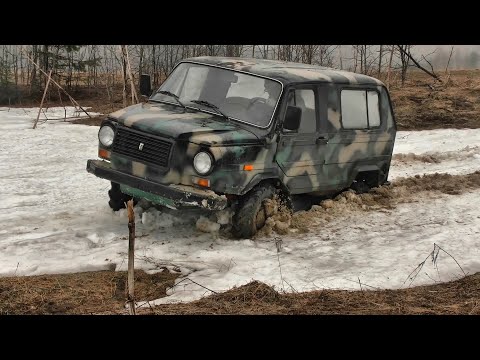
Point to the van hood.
(194, 126)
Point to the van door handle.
(322, 140)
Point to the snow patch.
(55, 218)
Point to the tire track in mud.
(466, 153)
(400, 191)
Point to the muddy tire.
(360, 187)
(250, 215)
(117, 198)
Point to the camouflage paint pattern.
(296, 161)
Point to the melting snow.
(54, 218)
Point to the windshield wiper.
(168, 93)
(211, 106)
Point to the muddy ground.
(402, 190)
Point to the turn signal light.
(203, 182)
(248, 167)
(104, 154)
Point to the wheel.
(360, 187)
(117, 198)
(250, 215)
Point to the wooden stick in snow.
(43, 98)
(131, 252)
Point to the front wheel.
(117, 198)
(251, 213)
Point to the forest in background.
(109, 68)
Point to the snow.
(54, 218)
(457, 150)
(206, 225)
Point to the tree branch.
(432, 74)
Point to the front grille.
(128, 142)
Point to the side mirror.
(145, 85)
(292, 118)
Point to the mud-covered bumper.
(173, 196)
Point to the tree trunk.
(380, 61)
(154, 68)
(45, 61)
(390, 67)
(33, 77)
(124, 75)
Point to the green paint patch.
(156, 199)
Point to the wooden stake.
(43, 98)
(131, 251)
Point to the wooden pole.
(43, 98)
(131, 251)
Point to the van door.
(359, 141)
(300, 154)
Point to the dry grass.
(457, 297)
(424, 104)
(103, 292)
(80, 293)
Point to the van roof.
(287, 72)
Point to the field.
(62, 251)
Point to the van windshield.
(239, 96)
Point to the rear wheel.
(251, 214)
(365, 181)
(360, 187)
(117, 198)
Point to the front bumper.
(172, 196)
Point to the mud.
(436, 157)
(402, 190)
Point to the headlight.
(106, 135)
(202, 162)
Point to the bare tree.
(380, 52)
(405, 60)
(406, 56)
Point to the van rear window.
(360, 109)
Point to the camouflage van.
(232, 132)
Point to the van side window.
(305, 100)
(373, 109)
(360, 109)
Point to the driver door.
(300, 153)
